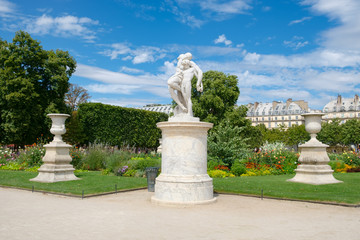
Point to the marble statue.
(180, 84)
(184, 179)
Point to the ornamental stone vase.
(314, 168)
(184, 179)
(56, 167)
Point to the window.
(269, 125)
(289, 124)
(297, 123)
(275, 118)
(263, 118)
(282, 118)
(297, 117)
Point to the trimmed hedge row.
(120, 126)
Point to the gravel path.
(131, 215)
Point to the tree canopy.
(330, 133)
(219, 96)
(33, 82)
(76, 96)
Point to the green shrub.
(94, 160)
(226, 144)
(116, 160)
(238, 169)
(130, 173)
(77, 156)
(219, 174)
(32, 155)
(337, 164)
(213, 162)
(119, 126)
(143, 163)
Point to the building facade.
(342, 109)
(275, 114)
(158, 108)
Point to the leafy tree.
(75, 134)
(219, 96)
(296, 134)
(330, 133)
(33, 82)
(351, 132)
(225, 144)
(273, 135)
(75, 96)
(237, 118)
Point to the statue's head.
(181, 56)
(188, 56)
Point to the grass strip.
(90, 183)
(277, 186)
(272, 186)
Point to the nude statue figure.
(180, 84)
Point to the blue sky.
(126, 50)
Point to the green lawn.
(277, 186)
(272, 186)
(90, 183)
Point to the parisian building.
(342, 109)
(158, 108)
(277, 113)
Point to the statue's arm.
(199, 76)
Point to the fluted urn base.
(56, 167)
(314, 168)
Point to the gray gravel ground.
(25, 215)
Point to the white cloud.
(6, 6)
(131, 70)
(331, 80)
(106, 76)
(116, 50)
(346, 13)
(138, 55)
(124, 102)
(121, 83)
(65, 26)
(222, 39)
(252, 58)
(228, 7)
(212, 10)
(296, 43)
(299, 20)
(112, 88)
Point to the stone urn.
(56, 167)
(313, 125)
(58, 125)
(314, 168)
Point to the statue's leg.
(176, 98)
(186, 92)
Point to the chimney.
(288, 102)
(356, 99)
(274, 103)
(339, 100)
(256, 104)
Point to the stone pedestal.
(184, 179)
(56, 167)
(314, 168)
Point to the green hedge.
(120, 126)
